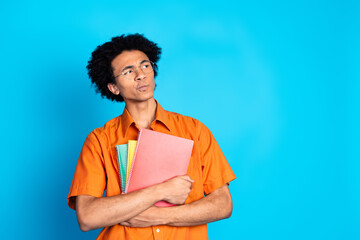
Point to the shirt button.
(157, 230)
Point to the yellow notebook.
(130, 156)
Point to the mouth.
(142, 88)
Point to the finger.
(187, 178)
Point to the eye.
(145, 65)
(127, 72)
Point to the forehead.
(127, 58)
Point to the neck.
(143, 113)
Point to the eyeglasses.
(130, 72)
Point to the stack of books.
(154, 158)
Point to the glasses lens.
(129, 73)
(146, 67)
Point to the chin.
(146, 97)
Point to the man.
(124, 70)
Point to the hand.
(177, 189)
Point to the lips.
(142, 87)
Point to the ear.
(113, 88)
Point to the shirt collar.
(161, 115)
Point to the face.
(137, 88)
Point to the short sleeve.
(90, 176)
(216, 170)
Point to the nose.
(139, 74)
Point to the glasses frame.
(135, 69)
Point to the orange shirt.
(98, 169)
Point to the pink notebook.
(158, 157)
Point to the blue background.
(277, 82)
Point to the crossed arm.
(136, 209)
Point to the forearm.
(95, 212)
(101, 212)
(213, 207)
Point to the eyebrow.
(131, 66)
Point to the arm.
(215, 206)
(93, 212)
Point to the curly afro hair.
(99, 67)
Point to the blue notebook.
(122, 159)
